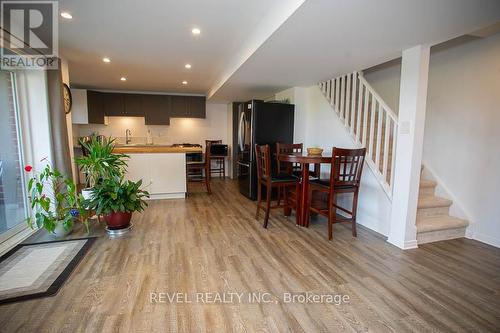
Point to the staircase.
(370, 122)
(433, 220)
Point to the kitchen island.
(162, 168)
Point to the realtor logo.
(29, 34)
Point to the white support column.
(412, 105)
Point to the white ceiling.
(250, 49)
(150, 41)
(326, 38)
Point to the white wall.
(181, 130)
(324, 129)
(386, 79)
(300, 97)
(316, 124)
(462, 129)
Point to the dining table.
(305, 160)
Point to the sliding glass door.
(13, 208)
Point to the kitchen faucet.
(128, 135)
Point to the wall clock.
(68, 101)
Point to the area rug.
(39, 269)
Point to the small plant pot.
(118, 220)
(60, 231)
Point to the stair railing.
(369, 120)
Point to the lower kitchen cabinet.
(163, 175)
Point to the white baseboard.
(406, 245)
(485, 239)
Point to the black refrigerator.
(260, 123)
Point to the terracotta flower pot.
(118, 220)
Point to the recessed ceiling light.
(184, 82)
(67, 15)
(106, 60)
(196, 31)
(123, 78)
(187, 65)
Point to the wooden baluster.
(360, 108)
(386, 145)
(342, 95)
(330, 95)
(393, 159)
(379, 135)
(348, 101)
(372, 126)
(337, 91)
(365, 118)
(353, 100)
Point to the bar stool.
(194, 170)
(220, 161)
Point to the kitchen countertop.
(138, 149)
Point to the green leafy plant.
(100, 162)
(115, 194)
(54, 200)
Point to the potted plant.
(116, 199)
(55, 203)
(99, 162)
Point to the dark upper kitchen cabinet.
(188, 106)
(133, 105)
(179, 106)
(95, 107)
(196, 107)
(156, 109)
(113, 104)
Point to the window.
(13, 205)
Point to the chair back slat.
(287, 148)
(347, 166)
(214, 142)
(263, 158)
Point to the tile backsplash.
(117, 126)
(191, 130)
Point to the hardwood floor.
(214, 244)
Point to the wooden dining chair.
(220, 161)
(265, 177)
(345, 177)
(288, 168)
(199, 171)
